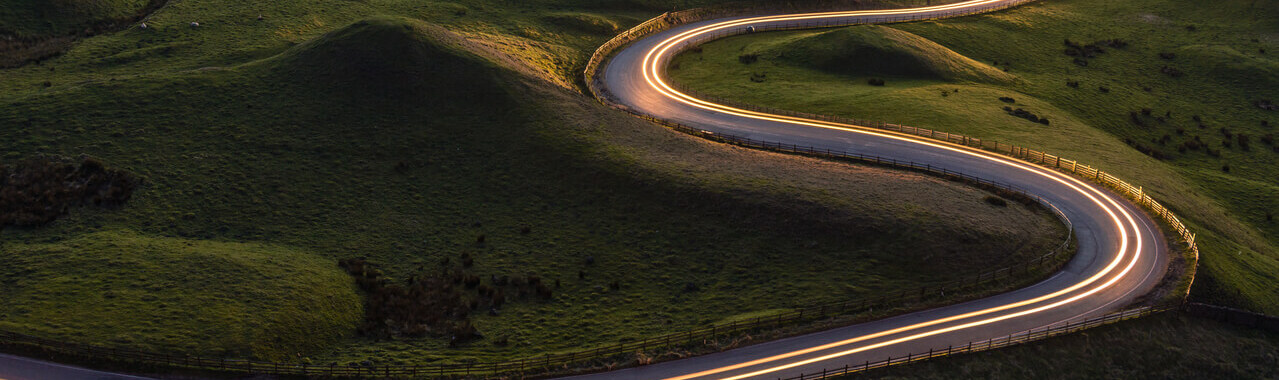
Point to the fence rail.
(1010, 340)
(668, 20)
(551, 363)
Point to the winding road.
(1121, 252)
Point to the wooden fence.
(562, 362)
(567, 362)
(1010, 340)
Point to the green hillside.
(1172, 95)
(883, 51)
(424, 151)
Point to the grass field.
(328, 130)
(1166, 346)
(1176, 104)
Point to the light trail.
(1122, 220)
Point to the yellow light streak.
(651, 70)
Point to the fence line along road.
(554, 363)
(668, 20)
(972, 347)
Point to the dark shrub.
(875, 82)
(748, 58)
(1024, 114)
(37, 191)
(1243, 141)
(1072, 84)
(544, 291)
(996, 201)
(1006, 99)
(1168, 55)
(1104, 89)
(1172, 71)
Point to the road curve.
(1121, 251)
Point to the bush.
(433, 304)
(1072, 84)
(1171, 71)
(37, 191)
(996, 201)
(1024, 114)
(748, 58)
(1147, 150)
(875, 82)
(1168, 56)
(1006, 99)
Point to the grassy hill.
(1167, 94)
(879, 51)
(421, 149)
(43, 18)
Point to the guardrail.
(1010, 340)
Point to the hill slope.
(1171, 95)
(395, 141)
(882, 50)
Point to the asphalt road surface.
(1121, 251)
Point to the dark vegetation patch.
(1083, 52)
(1024, 114)
(436, 303)
(39, 190)
(878, 82)
(996, 201)
(1148, 150)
